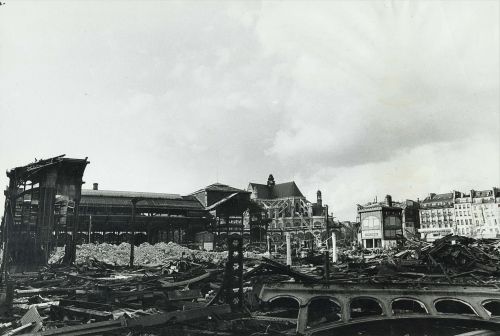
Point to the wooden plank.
(190, 294)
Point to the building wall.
(381, 226)
(475, 215)
(478, 214)
(411, 218)
(463, 216)
(436, 222)
(371, 228)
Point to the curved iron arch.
(455, 300)
(409, 298)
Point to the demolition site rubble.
(185, 291)
(145, 254)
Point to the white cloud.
(355, 98)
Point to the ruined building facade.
(381, 224)
(41, 211)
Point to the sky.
(356, 98)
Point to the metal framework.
(42, 201)
(344, 295)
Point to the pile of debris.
(461, 254)
(95, 298)
(100, 295)
(185, 291)
(145, 254)
(451, 259)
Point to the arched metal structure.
(345, 294)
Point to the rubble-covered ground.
(177, 290)
(452, 259)
(145, 254)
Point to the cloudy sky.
(359, 99)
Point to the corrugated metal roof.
(109, 198)
(129, 194)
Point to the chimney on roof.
(388, 200)
(270, 181)
(319, 199)
(95, 186)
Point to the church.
(289, 212)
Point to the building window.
(390, 234)
(371, 223)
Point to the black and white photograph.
(250, 167)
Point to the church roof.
(280, 190)
(262, 190)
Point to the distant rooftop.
(113, 198)
(438, 198)
(280, 190)
(221, 187)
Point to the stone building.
(437, 215)
(381, 224)
(290, 212)
(475, 214)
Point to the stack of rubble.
(452, 259)
(145, 254)
(170, 286)
(173, 288)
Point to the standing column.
(74, 235)
(334, 248)
(288, 250)
(90, 228)
(218, 230)
(132, 234)
(45, 224)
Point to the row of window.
(296, 224)
(462, 206)
(460, 222)
(468, 230)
